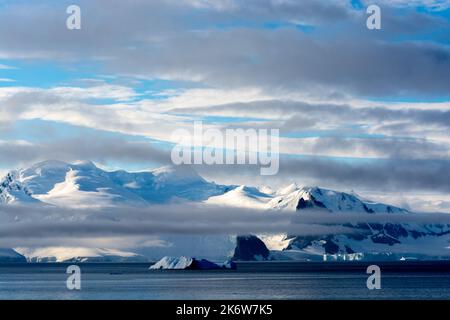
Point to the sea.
(260, 281)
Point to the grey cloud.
(115, 229)
(380, 175)
(392, 133)
(367, 175)
(160, 39)
(88, 146)
(338, 114)
(179, 220)
(308, 11)
(290, 60)
(164, 39)
(393, 148)
(170, 219)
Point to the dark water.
(135, 281)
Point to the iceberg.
(184, 263)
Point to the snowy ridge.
(329, 200)
(12, 190)
(242, 196)
(294, 198)
(83, 184)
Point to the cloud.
(95, 147)
(414, 143)
(366, 148)
(183, 220)
(297, 113)
(128, 227)
(102, 91)
(6, 67)
(431, 175)
(185, 41)
(360, 67)
(307, 11)
(356, 132)
(343, 130)
(71, 105)
(375, 175)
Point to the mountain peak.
(85, 164)
(83, 184)
(288, 189)
(52, 165)
(48, 164)
(173, 173)
(318, 192)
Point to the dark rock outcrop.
(250, 248)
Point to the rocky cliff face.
(250, 248)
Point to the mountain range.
(84, 185)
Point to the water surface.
(135, 281)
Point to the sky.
(357, 109)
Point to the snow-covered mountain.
(84, 185)
(372, 239)
(12, 190)
(294, 198)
